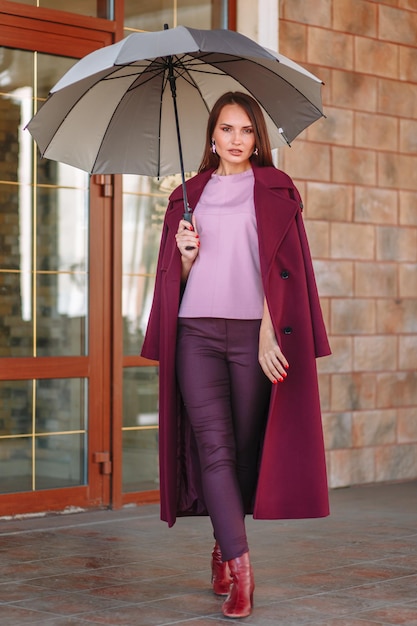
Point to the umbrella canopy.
(114, 111)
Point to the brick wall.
(357, 172)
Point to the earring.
(255, 152)
(213, 146)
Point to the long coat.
(292, 473)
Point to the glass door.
(55, 276)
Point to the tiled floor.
(356, 568)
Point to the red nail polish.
(274, 382)
(280, 379)
(287, 366)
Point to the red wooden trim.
(232, 15)
(77, 44)
(141, 497)
(46, 500)
(137, 361)
(28, 368)
(117, 346)
(100, 338)
(53, 15)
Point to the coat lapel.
(275, 212)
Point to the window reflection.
(144, 204)
(140, 433)
(43, 434)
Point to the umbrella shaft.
(171, 79)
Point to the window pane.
(60, 405)
(49, 70)
(93, 8)
(140, 434)
(153, 14)
(142, 225)
(15, 408)
(60, 461)
(16, 323)
(31, 455)
(140, 460)
(149, 14)
(15, 465)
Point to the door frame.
(55, 32)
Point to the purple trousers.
(226, 395)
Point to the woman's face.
(234, 138)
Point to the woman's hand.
(271, 359)
(188, 244)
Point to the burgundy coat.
(292, 472)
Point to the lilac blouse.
(225, 279)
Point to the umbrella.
(140, 106)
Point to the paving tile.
(357, 567)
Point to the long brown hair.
(254, 112)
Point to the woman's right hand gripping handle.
(188, 243)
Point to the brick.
(396, 244)
(352, 392)
(376, 353)
(408, 280)
(334, 278)
(318, 237)
(324, 388)
(377, 206)
(314, 12)
(337, 128)
(360, 21)
(376, 58)
(397, 171)
(337, 430)
(408, 352)
(379, 132)
(354, 165)
(397, 25)
(396, 316)
(329, 48)
(329, 201)
(355, 91)
(309, 161)
(325, 309)
(407, 425)
(396, 389)
(408, 136)
(396, 462)
(408, 210)
(352, 241)
(353, 316)
(371, 428)
(408, 64)
(351, 467)
(397, 98)
(293, 40)
(375, 280)
(341, 357)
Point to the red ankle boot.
(239, 602)
(220, 573)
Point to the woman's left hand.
(271, 358)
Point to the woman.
(236, 326)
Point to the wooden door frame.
(55, 32)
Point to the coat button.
(287, 330)
(285, 274)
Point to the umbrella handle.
(188, 218)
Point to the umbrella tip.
(166, 27)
